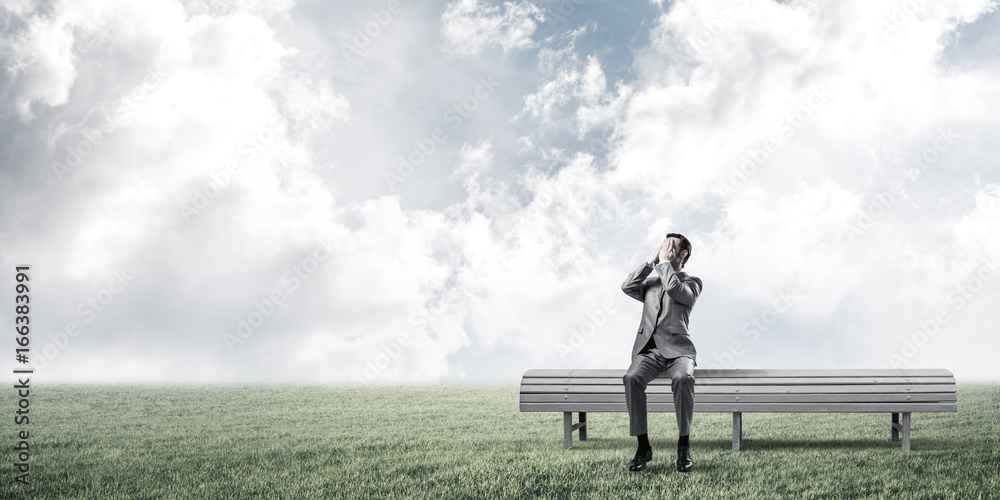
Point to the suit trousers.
(647, 366)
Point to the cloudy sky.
(455, 190)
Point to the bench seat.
(896, 391)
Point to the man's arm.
(685, 292)
(634, 285)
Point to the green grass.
(272, 441)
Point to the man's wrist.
(650, 263)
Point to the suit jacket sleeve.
(634, 285)
(686, 292)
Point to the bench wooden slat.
(745, 398)
(751, 407)
(745, 389)
(756, 372)
(663, 380)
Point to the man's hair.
(685, 245)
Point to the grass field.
(463, 441)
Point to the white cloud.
(593, 81)
(469, 26)
(576, 84)
(977, 233)
(553, 94)
(599, 108)
(39, 62)
(792, 242)
(474, 159)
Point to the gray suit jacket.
(665, 308)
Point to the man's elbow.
(686, 300)
(685, 297)
(632, 291)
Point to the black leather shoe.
(684, 462)
(641, 458)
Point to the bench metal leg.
(737, 430)
(906, 431)
(895, 427)
(567, 430)
(569, 427)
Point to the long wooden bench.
(895, 391)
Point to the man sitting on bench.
(663, 344)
